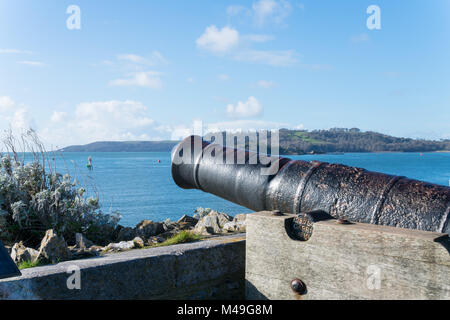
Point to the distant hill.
(125, 146)
(296, 142)
(352, 140)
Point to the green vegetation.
(182, 237)
(29, 264)
(352, 140)
(297, 142)
(34, 197)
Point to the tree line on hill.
(353, 140)
(295, 142)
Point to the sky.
(153, 70)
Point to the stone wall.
(211, 269)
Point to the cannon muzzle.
(261, 182)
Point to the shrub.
(29, 264)
(181, 237)
(34, 197)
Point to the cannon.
(345, 193)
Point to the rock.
(168, 234)
(188, 220)
(96, 249)
(240, 223)
(235, 226)
(184, 226)
(169, 225)
(155, 240)
(201, 212)
(126, 234)
(83, 253)
(121, 246)
(212, 223)
(53, 248)
(147, 228)
(82, 242)
(138, 243)
(222, 218)
(84, 248)
(241, 226)
(20, 253)
(203, 230)
(230, 226)
(240, 217)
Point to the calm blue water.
(141, 188)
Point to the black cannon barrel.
(350, 193)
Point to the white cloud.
(190, 80)
(121, 113)
(266, 84)
(148, 79)
(135, 72)
(282, 58)
(244, 125)
(89, 122)
(99, 121)
(15, 51)
(266, 11)
(227, 42)
(15, 116)
(181, 131)
(109, 120)
(6, 103)
(155, 58)
(218, 41)
(21, 120)
(250, 108)
(32, 63)
(58, 116)
(178, 132)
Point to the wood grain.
(356, 261)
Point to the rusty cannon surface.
(353, 194)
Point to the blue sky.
(142, 70)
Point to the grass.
(29, 264)
(182, 237)
(306, 138)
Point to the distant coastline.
(295, 142)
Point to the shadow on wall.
(252, 293)
(444, 241)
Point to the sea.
(140, 185)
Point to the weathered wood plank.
(356, 261)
